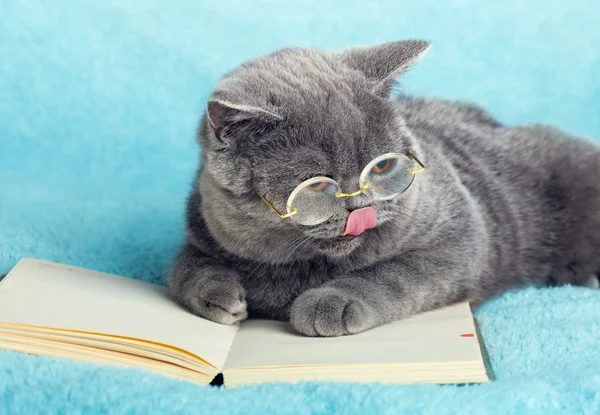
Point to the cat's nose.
(357, 202)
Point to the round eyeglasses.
(317, 199)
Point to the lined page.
(433, 337)
(47, 294)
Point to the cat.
(496, 208)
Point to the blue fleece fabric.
(99, 102)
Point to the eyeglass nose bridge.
(340, 195)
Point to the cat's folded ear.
(227, 120)
(384, 63)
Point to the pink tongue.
(360, 220)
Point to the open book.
(54, 309)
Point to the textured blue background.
(99, 103)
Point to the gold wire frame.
(419, 162)
(339, 195)
(281, 215)
(359, 191)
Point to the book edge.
(91, 334)
(99, 357)
(487, 364)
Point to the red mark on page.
(467, 335)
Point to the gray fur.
(496, 209)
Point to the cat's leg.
(379, 295)
(207, 288)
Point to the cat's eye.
(383, 166)
(388, 176)
(318, 186)
(314, 200)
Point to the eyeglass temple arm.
(416, 171)
(281, 215)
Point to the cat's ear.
(226, 119)
(384, 63)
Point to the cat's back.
(464, 132)
(538, 186)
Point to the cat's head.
(281, 119)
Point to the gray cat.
(417, 203)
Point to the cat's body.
(496, 208)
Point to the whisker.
(281, 249)
(306, 245)
(291, 253)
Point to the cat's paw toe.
(222, 301)
(330, 312)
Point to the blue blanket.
(99, 102)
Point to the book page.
(442, 336)
(46, 294)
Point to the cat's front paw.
(329, 312)
(220, 300)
